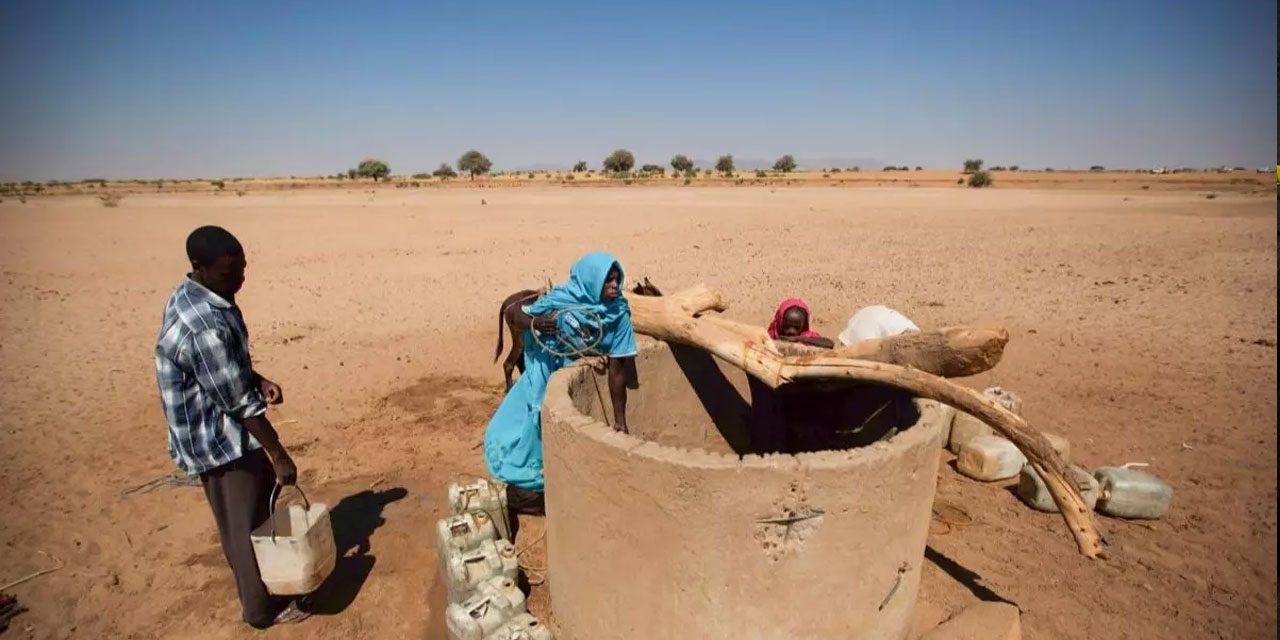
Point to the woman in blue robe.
(586, 316)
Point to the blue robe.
(513, 438)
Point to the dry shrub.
(110, 199)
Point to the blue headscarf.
(582, 292)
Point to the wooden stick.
(676, 319)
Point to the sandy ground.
(1143, 323)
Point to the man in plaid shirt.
(216, 407)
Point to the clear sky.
(172, 88)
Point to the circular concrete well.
(714, 520)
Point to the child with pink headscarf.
(791, 323)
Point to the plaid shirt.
(207, 384)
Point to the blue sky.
(185, 89)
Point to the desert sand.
(1143, 324)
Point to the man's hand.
(545, 324)
(286, 472)
(271, 391)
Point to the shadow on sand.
(354, 520)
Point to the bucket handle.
(275, 494)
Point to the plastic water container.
(294, 547)
(966, 427)
(1130, 493)
(463, 532)
(464, 571)
(523, 627)
(1004, 398)
(482, 495)
(495, 602)
(1033, 491)
(989, 458)
(946, 416)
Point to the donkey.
(507, 314)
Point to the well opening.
(690, 527)
(688, 398)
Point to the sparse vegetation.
(724, 164)
(681, 163)
(619, 161)
(218, 184)
(785, 164)
(919, 168)
(1013, 167)
(373, 168)
(653, 168)
(761, 174)
(1097, 167)
(979, 179)
(352, 174)
(474, 163)
(110, 199)
(580, 166)
(972, 166)
(444, 172)
(421, 176)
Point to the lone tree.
(724, 164)
(785, 164)
(979, 179)
(619, 161)
(444, 172)
(681, 163)
(474, 163)
(971, 166)
(353, 173)
(373, 168)
(580, 167)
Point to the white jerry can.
(1130, 493)
(294, 547)
(1032, 490)
(494, 602)
(481, 495)
(463, 571)
(966, 427)
(990, 458)
(523, 627)
(463, 532)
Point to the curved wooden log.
(676, 319)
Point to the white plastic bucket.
(294, 548)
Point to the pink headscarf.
(776, 325)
